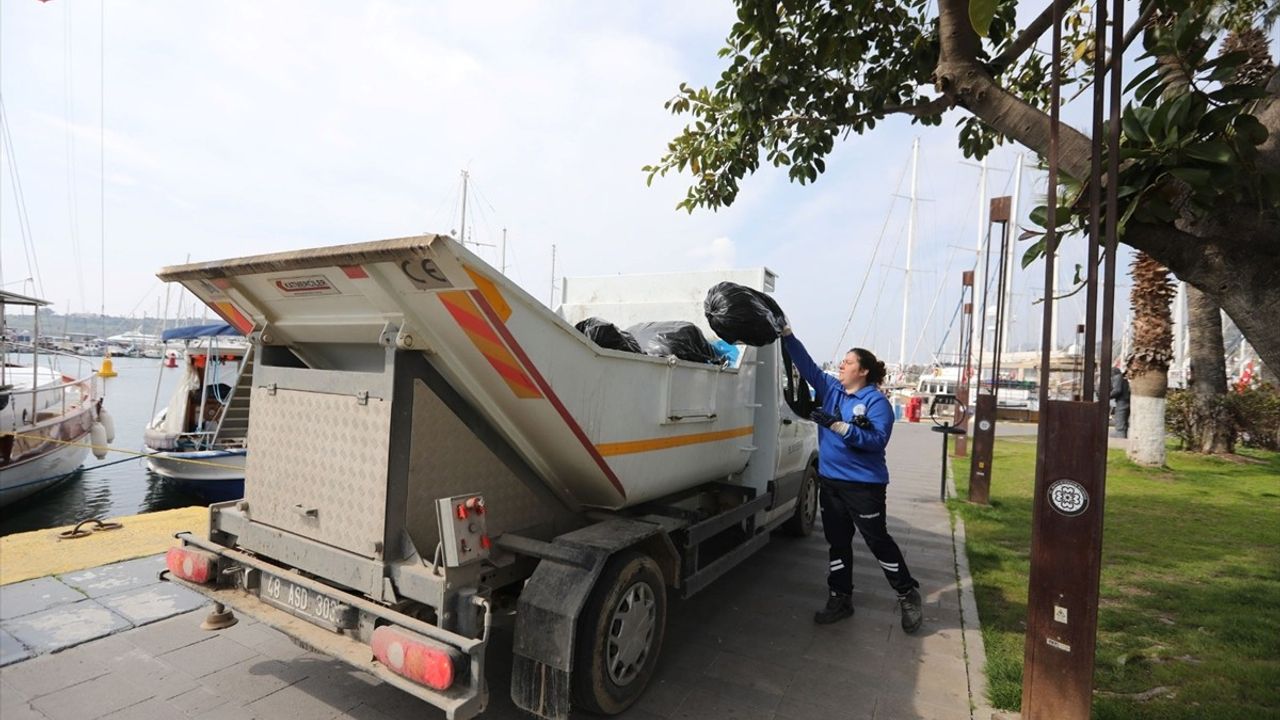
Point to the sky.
(147, 134)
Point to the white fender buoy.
(98, 436)
(108, 423)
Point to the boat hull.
(27, 477)
(219, 472)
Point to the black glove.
(823, 418)
(862, 421)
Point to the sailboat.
(49, 418)
(200, 439)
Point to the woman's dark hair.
(867, 361)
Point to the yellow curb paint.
(24, 556)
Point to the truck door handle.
(786, 421)
(306, 512)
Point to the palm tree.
(1211, 421)
(1211, 425)
(1148, 363)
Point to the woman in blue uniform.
(855, 421)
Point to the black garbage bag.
(674, 337)
(740, 314)
(607, 335)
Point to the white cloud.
(718, 254)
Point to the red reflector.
(196, 566)
(462, 512)
(415, 657)
(485, 542)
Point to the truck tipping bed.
(601, 428)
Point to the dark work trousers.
(851, 507)
(1122, 418)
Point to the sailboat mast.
(462, 227)
(551, 297)
(979, 274)
(1177, 374)
(1012, 260)
(1056, 310)
(911, 238)
(502, 263)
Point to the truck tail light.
(417, 658)
(192, 565)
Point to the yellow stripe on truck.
(638, 446)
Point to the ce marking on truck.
(426, 274)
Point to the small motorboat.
(200, 439)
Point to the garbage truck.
(432, 451)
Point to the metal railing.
(54, 394)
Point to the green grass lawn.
(1190, 597)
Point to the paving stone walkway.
(56, 612)
(746, 648)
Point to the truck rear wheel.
(801, 524)
(619, 634)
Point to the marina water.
(123, 488)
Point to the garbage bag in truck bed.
(607, 335)
(741, 314)
(674, 337)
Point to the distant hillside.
(54, 323)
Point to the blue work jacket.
(858, 455)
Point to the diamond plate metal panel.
(319, 466)
(447, 459)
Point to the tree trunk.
(1211, 423)
(1238, 267)
(1148, 365)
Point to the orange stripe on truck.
(485, 340)
(638, 446)
(490, 292)
(233, 316)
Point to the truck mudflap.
(553, 598)
(315, 615)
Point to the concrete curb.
(975, 651)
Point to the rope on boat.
(67, 474)
(108, 448)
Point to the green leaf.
(1151, 87)
(1159, 122)
(1142, 75)
(1250, 130)
(1033, 253)
(1231, 60)
(1215, 151)
(1198, 178)
(1238, 92)
(1217, 119)
(1040, 216)
(981, 12)
(1133, 127)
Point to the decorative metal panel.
(318, 466)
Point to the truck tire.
(801, 524)
(620, 634)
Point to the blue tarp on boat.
(192, 332)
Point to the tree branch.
(929, 107)
(1036, 28)
(1028, 38)
(961, 76)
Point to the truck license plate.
(306, 603)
